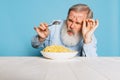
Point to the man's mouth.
(70, 32)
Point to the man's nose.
(72, 25)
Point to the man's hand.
(42, 31)
(88, 28)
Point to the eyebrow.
(75, 22)
(79, 22)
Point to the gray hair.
(82, 7)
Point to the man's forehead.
(74, 14)
(77, 16)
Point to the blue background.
(18, 17)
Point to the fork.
(54, 23)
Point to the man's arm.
(36, 42)
(89, 50)
(43, 32)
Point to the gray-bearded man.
(76, 32)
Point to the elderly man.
(76, 32)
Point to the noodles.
(56, 48)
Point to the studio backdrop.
(18, 17)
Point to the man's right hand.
(42, 31)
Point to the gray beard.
(69, 40)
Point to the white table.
(79, 68)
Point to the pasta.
(56, 48)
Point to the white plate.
(60, 55)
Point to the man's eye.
(70, 20)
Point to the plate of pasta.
(58, 52)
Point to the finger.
(84, 24)
(84, 28)
(44, 26)
(91, 20)
(41, 28)
(96, 23)
(35, 28)
(88, 24)
(92, 23)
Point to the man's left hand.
(88, 28)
